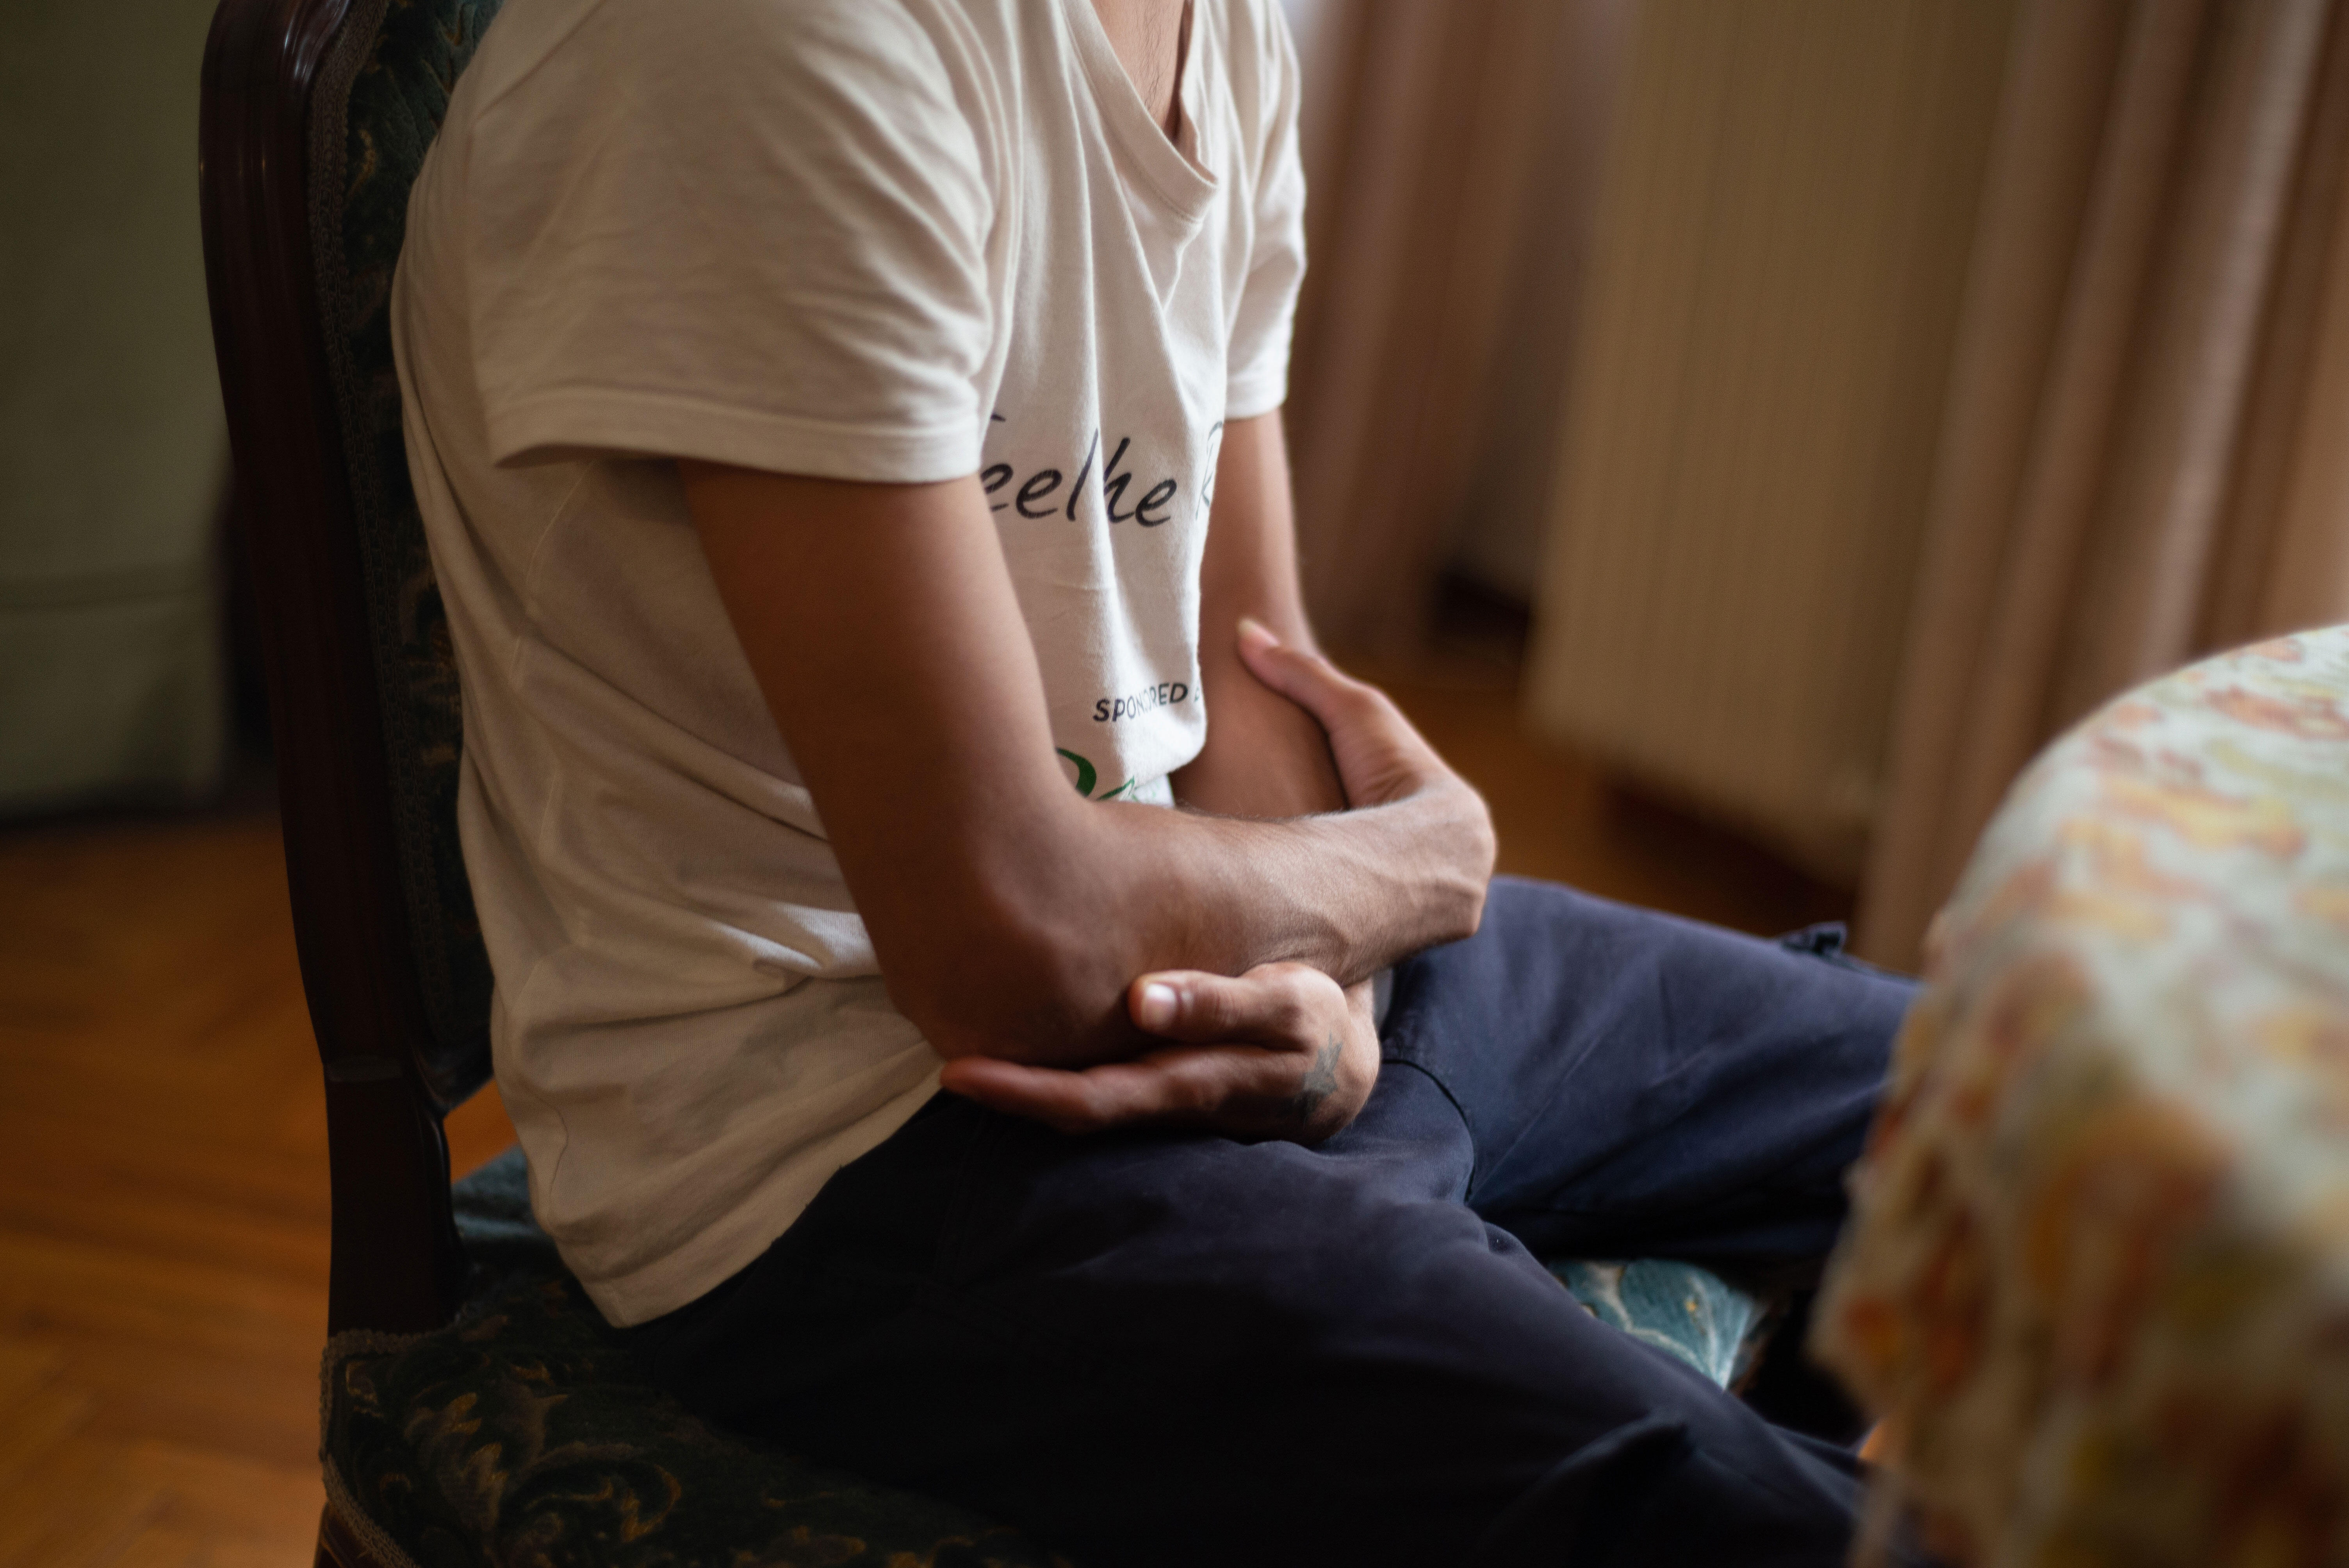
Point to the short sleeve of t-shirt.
(1258, 374)
(761, 243)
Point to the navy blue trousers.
(1161, 1349)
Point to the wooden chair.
(315, 116)
(390, 955)
(365, 725)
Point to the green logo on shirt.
(1088, 776)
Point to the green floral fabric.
(524, 1434)
(1679, 1308)
(393, 92)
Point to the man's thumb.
(1199, 1008)
(1306, 679)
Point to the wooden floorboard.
(162, 1203)
(163, 1210)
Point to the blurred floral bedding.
(2099, 1277)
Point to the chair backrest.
(315, 116)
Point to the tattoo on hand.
(1320, 1080)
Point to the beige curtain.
(2146, 451)
(1779, 268)
(1451, 149)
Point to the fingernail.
(1255, 631)
(1159, 1005)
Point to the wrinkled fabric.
(1157, 1348)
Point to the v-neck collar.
(1169, 170)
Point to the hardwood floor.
(164, 1213)
(1560, 817)
(163, 1207)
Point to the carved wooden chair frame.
(397, 1265)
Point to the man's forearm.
(1348, 892)
(1345, 901)
(1107, 893)
(1140, 888)
(1007, 913)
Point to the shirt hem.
(1258, 394)
(718, 1254)
(663, 425)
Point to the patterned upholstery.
(522, 1432)
(397, 62)
(1678, 1308)
(2098, 1272)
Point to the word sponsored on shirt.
(1149, 700)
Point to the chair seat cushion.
(524, 1431)
(1679, 1308)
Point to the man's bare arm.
(1010, 914)
(1279, 1051)
(1264, 756)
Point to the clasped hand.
(1278, 1052)
(1281, 1051)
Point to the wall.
(111, 441)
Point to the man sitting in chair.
(848, 435)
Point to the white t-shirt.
(890, 239)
